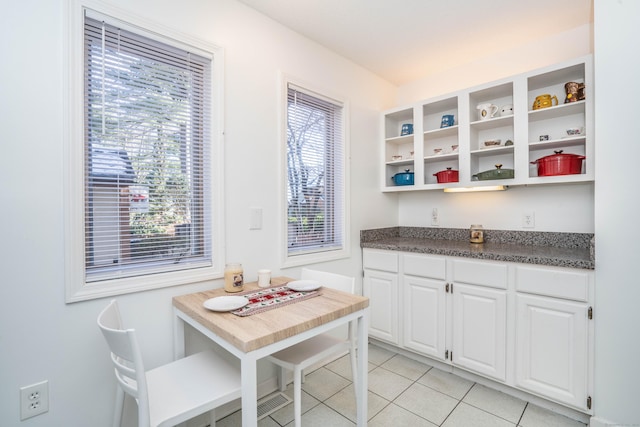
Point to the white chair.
(319, 348)
(169, 394)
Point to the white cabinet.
(479, 315)
(480, 330)
(440, 291)
(551, 352)
(553, 345)
(381, 287)
(532, 133)
(525, 326)
(425, 301)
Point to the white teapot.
(487, 111)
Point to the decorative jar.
(233, 277)
(476, 234)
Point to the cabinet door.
(551, 348)
(382, 290)
(479, 329)
(424, 315)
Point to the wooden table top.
(258, 330)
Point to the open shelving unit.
(433, 148)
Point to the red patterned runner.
(269, 298)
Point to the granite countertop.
(574, 250)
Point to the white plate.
(227, 303)
(304, 285)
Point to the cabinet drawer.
(480, 273)
(554, 282)
(380, 260)
(424, 266)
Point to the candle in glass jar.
(477, 234)
(233, 277)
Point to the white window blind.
(315, 173)
(147, 154)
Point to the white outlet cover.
(528, 220)
(34, 400)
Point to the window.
(147, 154)
(316, 209)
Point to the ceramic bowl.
(492, 143)
(574, 131)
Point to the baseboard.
(601, 422)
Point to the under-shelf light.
(475, 189)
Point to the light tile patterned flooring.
(404, 392)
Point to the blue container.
(407, 129)
(403, 178)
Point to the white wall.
(43, 338)
(567, 208)
(617, 316)
(562, 208)
(541, 53)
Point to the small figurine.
(572, 89)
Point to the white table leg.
(249, 392)
(178, 336)
(362, 361)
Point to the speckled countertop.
(574, 250)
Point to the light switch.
(255, 218)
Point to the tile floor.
(404, 392)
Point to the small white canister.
(264, 278)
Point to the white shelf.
(559, 143)
(485, 152)
(492, 123)
(441, 132)
(441, 157)
(404, 139)
(403, 162)
(559, 110)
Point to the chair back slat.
(126, 358)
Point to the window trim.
(320, 255)
(77, 288)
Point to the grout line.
(522, 415)
(457, 404)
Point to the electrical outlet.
(528, 220)
(434, 217)
(34, 400)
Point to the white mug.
(487, 111)
(264, 278)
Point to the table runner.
(268, 298)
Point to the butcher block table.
(253, 337)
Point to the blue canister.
(447, 121)
(407, 129)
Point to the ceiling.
(405, 40)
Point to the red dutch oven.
(446, 176)
(559, 164)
